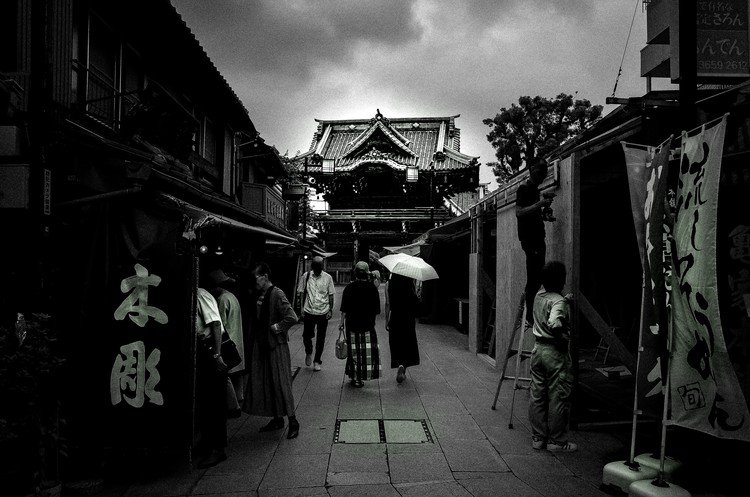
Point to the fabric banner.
(128, 296)
(647, 178)
(705, 392)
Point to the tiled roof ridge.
(211, 64)
(459, 156)
(391, 119)
(399, 140)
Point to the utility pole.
(432, 201)
(688, 61)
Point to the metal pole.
(631, 460)
(432, 201)
(304, 206)
(660, 482)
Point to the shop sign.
(47, 193)
(722, 39)
(146, 335)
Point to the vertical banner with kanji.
(647, 178)
(705, 393)
(147, 361)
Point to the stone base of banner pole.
(652, 461)
(621, 475)
(654, 488)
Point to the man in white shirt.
(316, 292)
(211, 380)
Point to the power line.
(619, 71)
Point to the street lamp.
(412, 174)
(329, 166)
(313, 160)
(437, 157)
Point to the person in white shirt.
(316, 292)
(211, 378)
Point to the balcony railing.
(264, 201)
(102, 101)
(416, 213)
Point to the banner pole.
(631, 463)
(660, 482)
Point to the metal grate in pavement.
(373, 431)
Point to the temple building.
(384, 182)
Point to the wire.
(630, 31)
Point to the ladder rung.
(513, 378)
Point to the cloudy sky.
(291, 61)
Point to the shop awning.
(296, 245)
(204, 219)
(411, 249)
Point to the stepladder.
(516, 348)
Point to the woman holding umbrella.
(401, 304)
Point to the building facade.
(384, 181)
(128, 167)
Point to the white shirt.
(318, 290)
(208, 312)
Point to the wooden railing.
(421, 213)
(264, 201)
(103, 102)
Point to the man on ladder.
(531, 212)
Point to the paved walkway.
(473, 452)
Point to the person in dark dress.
(269, 388)
(530, 225)
(360, 303)
(402, 305)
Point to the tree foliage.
(535, 127)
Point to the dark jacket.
(280, 312)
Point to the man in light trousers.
(551, 366)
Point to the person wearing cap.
(360, 303)
(316, 292)
(231, 317)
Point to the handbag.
(229, 353)
(303, 299)
(341, 345)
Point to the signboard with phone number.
(722, 35)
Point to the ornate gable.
(429, 143)
(379, 126)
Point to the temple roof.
(398, 142)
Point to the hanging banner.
(149, 366)
(128, 300)
(647, 173)
(705, 393)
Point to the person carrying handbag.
(221, 287)
(360, 303)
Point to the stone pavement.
(472, 453)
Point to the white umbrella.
(409, 266)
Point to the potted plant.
(292, 187)
(293, 190)
(30, 420)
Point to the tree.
(535, 127)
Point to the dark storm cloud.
(291, 61)
(290, 38)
